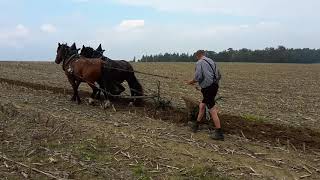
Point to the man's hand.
(191, 82)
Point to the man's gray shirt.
(206, 75)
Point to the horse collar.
(67, 63)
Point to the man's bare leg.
(218, 134)
(215, 117)
(202, 110)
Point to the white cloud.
(127, 25)
(20, 31)
(48, 28)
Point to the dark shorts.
(209, 95)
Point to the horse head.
(62, 52)
(87, 52)
(73, 49)
(99, 51)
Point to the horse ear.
(99, 48)
(83, 46)
(59, 44)
(73, 47)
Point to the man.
(208, 76)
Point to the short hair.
(200, 52)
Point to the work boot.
(195, 126)
(217, 135)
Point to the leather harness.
(66, 64)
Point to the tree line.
(280, 54)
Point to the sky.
(31, 29)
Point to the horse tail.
(104, 79)
(135, 86)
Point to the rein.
(139, 72)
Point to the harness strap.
(66, 62)
(214, 71)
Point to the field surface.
(270, 113)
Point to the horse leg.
(73, 84)
(73, 98)
(98, 93)
(105, 90)
(93, 95)
(106, 103)
(77, 83)
(104, 83)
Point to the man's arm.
(191, 82)
(198, 77)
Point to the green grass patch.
(253, 118)
(140, 172)
(91, 151)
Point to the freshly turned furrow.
(36, 86)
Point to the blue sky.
(31, 29)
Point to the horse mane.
(89, 52)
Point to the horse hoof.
(130, 104)
(91, 101)
(107, 105)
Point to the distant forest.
(267, 55)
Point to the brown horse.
(115, 72)
(79, 69)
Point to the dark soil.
(275, 133)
